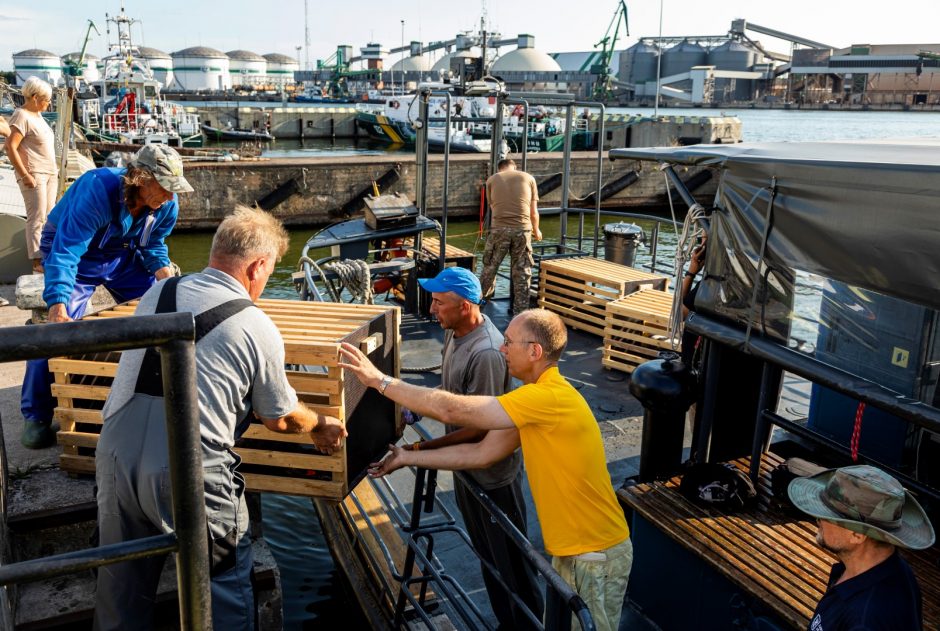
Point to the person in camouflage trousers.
(862, 516)
(514, 219)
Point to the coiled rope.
(687, 241)
(354, 276)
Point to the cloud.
(12, 18)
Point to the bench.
(764, 552)
(454, 255)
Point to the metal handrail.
(173, 335)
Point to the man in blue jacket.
(108, 229)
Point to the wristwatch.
(386, 381)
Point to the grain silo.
(638, 63)
(247, 69)
(682, 57)
(281, 69)
(36, 62)
(732, 55)
(161, 64)
(200, 68)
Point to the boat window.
(880, 338)
(150, 91)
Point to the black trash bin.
(621, 241)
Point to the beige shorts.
(600, 578)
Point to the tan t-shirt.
(511, 194)
(37, 149)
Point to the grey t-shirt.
(473, 364)
(239, 364)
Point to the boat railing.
(428, 518)
(172, 334)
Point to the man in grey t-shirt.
(239, 372)
(473, 364)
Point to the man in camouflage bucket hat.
(862, 515)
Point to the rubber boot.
(37, 435)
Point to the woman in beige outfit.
(31, 148)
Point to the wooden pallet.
(764, 551)
(454, 255)
(578, 289)
(637, 329)
(281, 463)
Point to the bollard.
(666, 388)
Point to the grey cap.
(165, 165)
(866, 500)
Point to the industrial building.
(726, 69)
(200, 68)
(160, 63)
(280, 69)
(36, 62)
(904, 75)
(247, 69)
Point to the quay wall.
(324, 185)
(285, 122)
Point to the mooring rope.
(354, 276)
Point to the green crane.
(604, 80)
(338, 65)
(73, 67)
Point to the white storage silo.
(200, 68)
(36, 62)
(161, 64)
(247, 69)
(90, 72)
(281, 69)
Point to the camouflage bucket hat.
(165, 165)
(866, 500)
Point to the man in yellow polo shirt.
(582, 524)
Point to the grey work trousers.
(495, 546)
(134, 501)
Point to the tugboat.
(127, 106)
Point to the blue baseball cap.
(459, 280)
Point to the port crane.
(73, 68)
(604, 79)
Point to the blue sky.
(278, 26)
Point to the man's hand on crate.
(329, 433)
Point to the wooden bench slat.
(765, 552)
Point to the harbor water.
(759, 125)
(313, 595)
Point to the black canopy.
(864, 213)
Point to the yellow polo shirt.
(564, 460)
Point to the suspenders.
(150, 377)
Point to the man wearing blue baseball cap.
(473, 364)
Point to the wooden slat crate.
(454, 255)
(578, 289)
(281, 463)
(637, 329)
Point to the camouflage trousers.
(517, 242)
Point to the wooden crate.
(281, 463)
(637, 329)
(454, 255)
(578, 289)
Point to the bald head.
(546, 329)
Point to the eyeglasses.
(509, 342)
